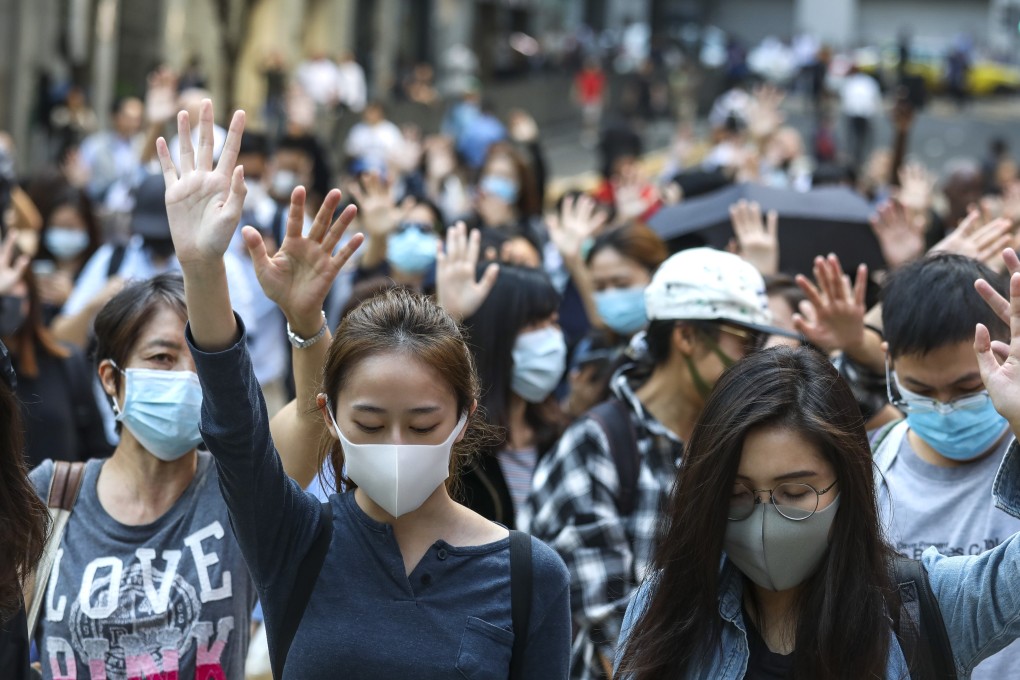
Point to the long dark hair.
(842, 606)
(50, 191)
(520, 297)
(24, 521)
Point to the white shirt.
(138, 265)
(351, 87)
(374, 144)
(318, 78)
(860, 96)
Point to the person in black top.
(22, 531)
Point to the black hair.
(840, 603)
(521, 296)
(659, 336)
(931, 303)
(254, 142)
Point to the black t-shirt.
(59, 409)
(764, 664)
(14, 646)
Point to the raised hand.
(1001, 374)
(982, 242)
(900, 233)
(456, 288)
(832, 317)
(579, 218)
(299, 275)
(757, 239)
(203, 204)
(917, 186)
(376, 208)
(12, 269)
(161, 95)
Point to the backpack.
(311, 565)
(918, 624)
(613, 417)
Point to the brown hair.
(33, 334)
(403, 322)
(529, 200)
(24, 521)
(635, 241)
(121, 320)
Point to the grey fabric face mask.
(777, 553)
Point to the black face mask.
(12, 314)
(161, 248)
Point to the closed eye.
(368, 429)
(424, 430)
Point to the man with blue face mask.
(935, 467)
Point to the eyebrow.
(369, 408)
(963, 379)
(799, 474)
(168, 344)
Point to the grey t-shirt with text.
(168, 599)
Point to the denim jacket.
(979, 597)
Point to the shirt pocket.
(484, 651)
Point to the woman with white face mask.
(521, 356)
(774, 563)
(412, 584)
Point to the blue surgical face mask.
(540, 358)
(412, 248)
(623, 309)
(960, 434)
(162, 410)
(66, 243)
(501, 187)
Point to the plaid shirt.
(573, 508)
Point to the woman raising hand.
(412, 584)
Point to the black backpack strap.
(307, 575)
(520, 598)
(116, 260)
(919, 625)
(613, 417)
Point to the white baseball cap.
(710, 285)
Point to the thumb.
(488, 279)
(256, 248)
(987, 363)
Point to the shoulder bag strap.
(304, 583)
(520, 598)
(920, 628)
(613, 417)
(64, 487)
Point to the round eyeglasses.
(793, 500)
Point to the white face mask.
(162, 410)
(283, 184)
(66, 243)
(397, 477)
(540, 358)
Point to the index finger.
(993, 299)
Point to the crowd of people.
(416, 416)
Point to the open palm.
(299, 275)
(203, 204)
(1001, 375)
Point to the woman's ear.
(108, 377)
(323, 403)
(467, 422)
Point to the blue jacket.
(979, 597)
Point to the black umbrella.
(817, 222)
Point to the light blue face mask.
(623, 309)
(960, 434)
(500, 187)
(66, 243)
(412, 249)
(162, 410)
(540, 358)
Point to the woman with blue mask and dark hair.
(521, 357)
(402, 237)
(773, 561)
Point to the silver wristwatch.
(301, 343)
